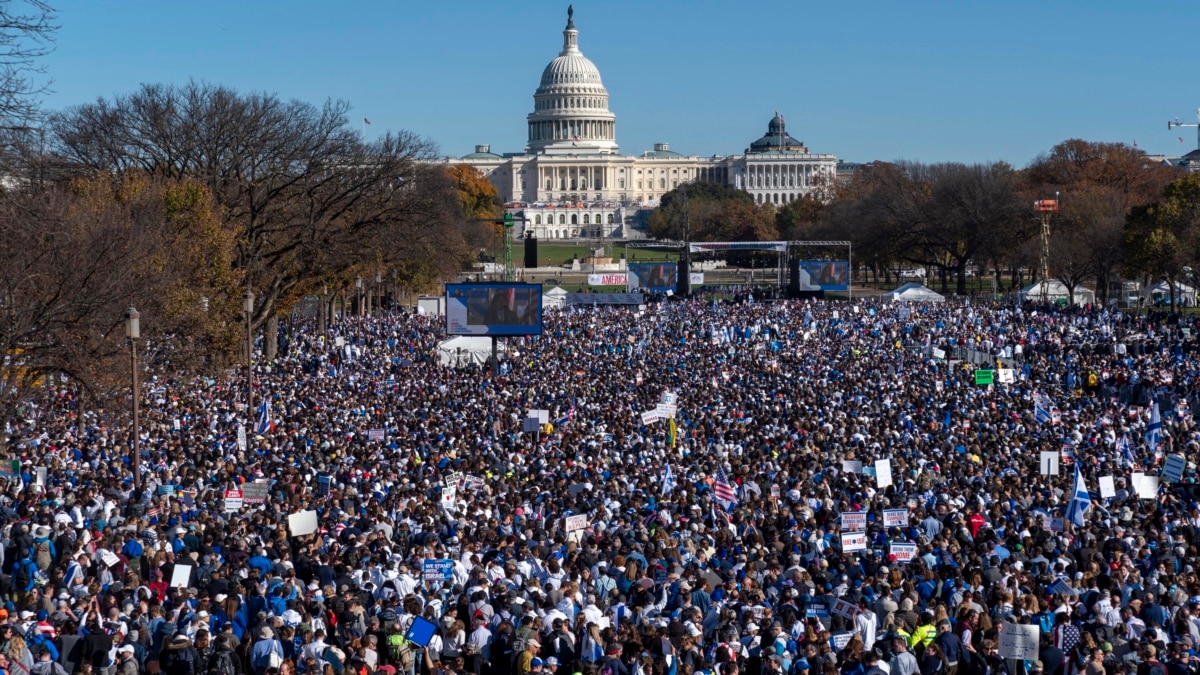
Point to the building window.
(662, 183)
(621, 182)
(537, 220)
(610, 219)
(587, 219)
(639, 185)
(562, 219)
(574, 219)
(549, 184)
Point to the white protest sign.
(575, 523)
(883, 473)
(843, 608)
(851, 466)
(233, 501)
(449, 497)
(1107, 487)
(668, 397)
(937, 353)
(854, 521)
(895, 517)
(542, 416)
(302, 523)
(854, 541)
(840, 640)
(1020, 642)
(180, 576)
(666, 410)
(1005, 375)
(241, 439)
(903, 553)
(650, 417)
(1145, 486)
(1048, 466)
(111, 559)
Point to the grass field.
(552, 255)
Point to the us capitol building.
(571, 181)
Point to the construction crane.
(1177, 123)
(1045, 207)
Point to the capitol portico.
(572, 182)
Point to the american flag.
(153, 512)
(723, 490)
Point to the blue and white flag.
(1080, 502)
(1042, 407)
(1126, 451)
(1154, 429)
(668, 480)
(264, 419)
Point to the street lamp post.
(248, 308)
(133, 331)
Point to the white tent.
(1184, 294)
(555, 298)
(914, 292)
(1055, 291)
(465, 350)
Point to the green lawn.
(550, 255)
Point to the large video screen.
(824, 275)
(493, 309)
(652, 276)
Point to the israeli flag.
(1042, 409)
(264, 418)
(1081, 501)
(1154, 429)
(1126, 451)
(668, 480)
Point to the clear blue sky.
(932, 81)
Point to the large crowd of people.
(809, 487)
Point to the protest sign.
(530, 425)
(1173, 467)
(895, 517)
(302, 523)
(241, 438)
(1145, 486)
(1048, 466)
(575, 523)
(1018, 641)
(256, 492)
(937, 353)
(1005, 375)
(1107, 487)
(449, 497)
(838, 641)
(181, 576)
(854, 541)
(883, 473)
(852, 466)
(650, 417)
(817, 610)
(437, 570)
(375, 435)
(983, 377)
(903, 553)
(854, 521)
(110, 559)
(666, 410)
(542, 416)
(843, 608)
(233, 501)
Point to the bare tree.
(27, 31)
(310, 199)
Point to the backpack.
(22, 577)
(221, 663)
(1155, 668)
(180, 662)
(42, 555)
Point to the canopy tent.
(1056, 291)
(1161, 293)
(466, 350)
(914, 292)
(555, 298)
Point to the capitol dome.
(570, 107)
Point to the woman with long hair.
(19, 658)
